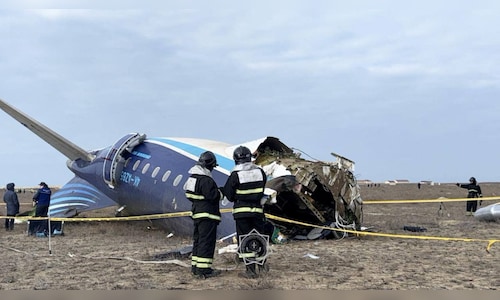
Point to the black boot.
(250, 272)
(264, 268)
(9, 224)
(212, 273)
(207, 273)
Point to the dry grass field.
(449, 255)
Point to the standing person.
(203, 192)
(474, 192)
(12, 203)
(245, 187)
(41, 200)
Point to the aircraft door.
(115, 158)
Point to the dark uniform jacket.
(473, 189)
(245, 187)
(42, 196)
(203, 192)
(11, 200)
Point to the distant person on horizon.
(41, 201)
(474, 192)
(12, 203)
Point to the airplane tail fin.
(63, 145)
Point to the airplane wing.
(77, 196)
(61, 144)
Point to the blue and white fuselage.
(146, 176)
(150, 182)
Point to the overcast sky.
(407, 90)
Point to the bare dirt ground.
(119, 255)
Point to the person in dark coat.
(202, 191)
(245, 187)
(41, 200)
(12, 203)
(474, 191)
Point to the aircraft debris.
(313, 192)
(414, 228)
(309, 255)
(180, 253)
(488, 213)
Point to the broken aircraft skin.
(312, 192)
(145, 175)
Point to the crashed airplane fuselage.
(145, 176)
(311, 192)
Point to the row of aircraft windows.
(155, 172)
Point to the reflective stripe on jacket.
(202, 191)
(474, 190)
(245, 187)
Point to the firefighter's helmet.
(242, 155)
(207, 159)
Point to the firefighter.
(204, 194)
(245, 188)
(474, 191)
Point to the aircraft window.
(165, 176)
(145, 168)
(136, 165)
(177, 180)
(126, 162)
(155, 172)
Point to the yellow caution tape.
(491, 242)
(428, 200)
(272, 217)
(402, 236)
(112, 219)
(386, 201)
(129, 218)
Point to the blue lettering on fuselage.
(140, 154)
(130, 178)
(137, 180)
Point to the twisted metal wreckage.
(314, 193)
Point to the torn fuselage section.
(115, 158)
(312, 192)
